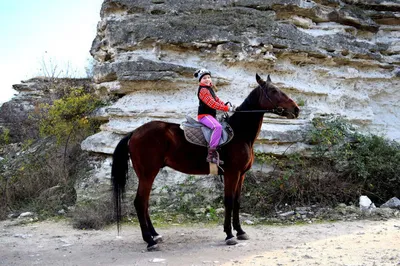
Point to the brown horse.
(157, 144)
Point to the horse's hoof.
(153, 248)
(243, 237)
(231, 241)
(158, 238)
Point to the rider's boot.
(213, 156)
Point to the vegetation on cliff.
(341, 166)
(39, 173)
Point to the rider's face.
(206, 79)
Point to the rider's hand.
(232, 108)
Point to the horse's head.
(272, 98)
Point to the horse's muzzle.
(293, 114)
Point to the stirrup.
(217, 161)
(213, 157)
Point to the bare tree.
(52, 68)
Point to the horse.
(157, 144)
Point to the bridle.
(276, 110)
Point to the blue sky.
(33, 31)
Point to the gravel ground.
(361, 242)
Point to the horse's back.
(155, 128)
(165, 143)
(156, 134)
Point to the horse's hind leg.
(154, 234)
(241, 235)
(141, 206)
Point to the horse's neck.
(246, 126)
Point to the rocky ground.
(360, 242)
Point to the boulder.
(393, 203)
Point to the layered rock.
(16, 114)
(332, 56)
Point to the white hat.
(201, 72)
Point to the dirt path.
(342, 243)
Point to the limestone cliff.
(331, 56)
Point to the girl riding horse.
(208, 104)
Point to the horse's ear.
(259, 79)
(269, 79)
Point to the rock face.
(331, 56)
(14, 115)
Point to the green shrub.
(370, 161)
(295, 181)
(301, 102)
(68, 118)
(5, 137)
(374, 162)
(329, 136)
(342, 166)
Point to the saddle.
(198, 134)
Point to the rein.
(278, 110)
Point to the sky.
(51, 33)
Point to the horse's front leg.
(241, 235)
(229, 193)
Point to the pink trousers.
(212, 123)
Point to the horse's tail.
(119, 176)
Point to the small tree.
(68, 119)
(89, 68)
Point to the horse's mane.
(240, 121)
(251, 100)
(250, 103)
